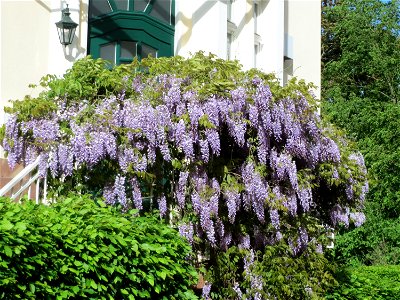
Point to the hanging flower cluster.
(235, 168)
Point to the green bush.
(307, 275)
(367, 282)
(79, 248)
(377, 242)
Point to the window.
(128, 50)
(119, 30)
(146, 50)
(125, 51)
(159, 9)
(98, 8)
(107, 52)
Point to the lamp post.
(66, 27)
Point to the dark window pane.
(107, 52)
(122, 4)
(146, 50)
(162, 10)
(128, 49)
(99, 7)
(140, 5)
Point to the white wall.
(271, 29)
(303, 19)
(200, 25)
(24, 51)
(243, 37)
(30, 47)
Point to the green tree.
(361, 49)
(361, 89)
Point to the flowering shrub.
(230, 157)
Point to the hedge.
(80, 248)
(368, 282)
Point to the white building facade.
(276, 36)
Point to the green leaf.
(162, 274)
(8, 251)
(150, 279)
(75, 289)
(124, 291)
(157, 288)
(93, 285)
(6, 225)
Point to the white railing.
(20, 181)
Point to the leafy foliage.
(376, 127)
(375, 243)
(368, 282)
(80, 248)
(361, 88)
(241, 274)
(361, 49)
(230, 157)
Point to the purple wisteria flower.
(237, 290)
(164, 135)
(206, 291)
(256, 190)
(232, 199)
(136, 194)
(65, 159)
(245, 242)
(213, 140)
(119, 190)
(274, 216)
(358, 218)
(305, 197)
(181, 188)
(186, 230)
(162, 205)
(340, 215)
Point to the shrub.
(273, 272)
(80, 248)
(376, 242)
(367, 282)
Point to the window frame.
(131, 25)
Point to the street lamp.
(66, 28)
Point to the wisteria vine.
(238, 168)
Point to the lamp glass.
(66, 28)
